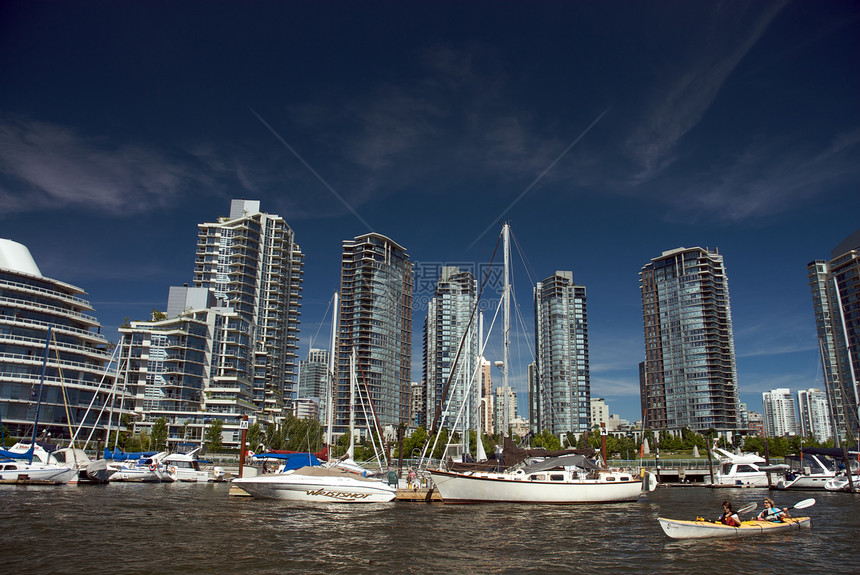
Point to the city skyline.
(606, 133)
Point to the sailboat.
(341, 481)
(563, 479)
(32, 463)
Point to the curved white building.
(76, 368)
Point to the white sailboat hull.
(299, 487)
(19, 472)
(506, 487)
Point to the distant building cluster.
(226, 348)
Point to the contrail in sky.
(310, 169)
(540, 176)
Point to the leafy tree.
(255, 436)
(158, 315)
(158, 435)
(547, 440)
(213, 436)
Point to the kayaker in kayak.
(771, 512)
(729, 517)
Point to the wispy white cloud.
(615, 386)
(52, 166)
(693, 86)
(768, 177)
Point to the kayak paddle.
(747, 508)
(803, 504)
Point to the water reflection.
(197, 528)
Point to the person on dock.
(729, 517)
(771, 512)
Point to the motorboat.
(185, 467)
(302, 478)
(743, 470)
(318, 483)
(702, 529)
(146, 467)
(813, 468)
(841, 483)
(567, 479)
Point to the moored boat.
(318, 483)
(816, 468)
(743, 470)
(702, 529)
(186, 467)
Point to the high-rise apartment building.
(836, 301)
(76, 367)
(376, 320)
(313, 374)
(251, 262)
(814, 414)
(561, 349)
(499, 407)
(487, 409)
(418, 404)
(599, 412)
(689, 377)
(779, 413)
(190, 367)
(314, 380)
(451, 351)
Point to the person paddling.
(771, 512)
(729, 517)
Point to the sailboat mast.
(329, 407)
(480, 453)
(39, 400)
(507, 332)
(352, 377)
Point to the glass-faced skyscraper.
(450, 318)
(836, 301)
(689, 377)
(563, 383)
(375, 319)
(252, 263)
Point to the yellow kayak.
(680, 529)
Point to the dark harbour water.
(189, 528)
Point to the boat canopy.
(564, 461)
(512, 455)
(16, 455)
(834, 452)
(321, 455)
(291, 460)
(119, 455)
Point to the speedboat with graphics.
(320, 483)
(303, 478)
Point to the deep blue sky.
(606, 132)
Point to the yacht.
(742, 470)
